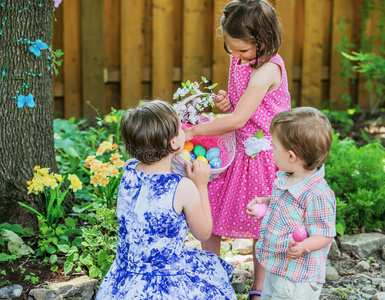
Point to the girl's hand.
(222, 101)
(249, 207)
(200, 174)
(295, 250)
(189, 133)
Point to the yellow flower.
(36, 168)
(73, 178)
(29, 182)
(115, 172)
(58, 177)
(52, 183)
(99, 151)
(104, 181)
(76, 185)
(94, 180)
(119, 163)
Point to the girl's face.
(245, 51)
(180, 139)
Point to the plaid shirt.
(309, 203)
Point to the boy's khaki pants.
(278, 288)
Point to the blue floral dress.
(152, 261)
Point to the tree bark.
(26, 134)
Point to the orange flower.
(115, 146)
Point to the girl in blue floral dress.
(155, 209)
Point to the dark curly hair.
(148, 130)
(253, 21)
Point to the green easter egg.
(199, 150)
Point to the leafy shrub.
(357, 177)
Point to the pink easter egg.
(260, 210)
(299, 234)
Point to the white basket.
(225, 142)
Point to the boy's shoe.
(254, 293)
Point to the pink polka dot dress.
(247, 178)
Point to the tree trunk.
(26, 134)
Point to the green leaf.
(70, 222)
(56, 72)
(59, 62)
(68, 267)
(63, 248)
(53, 258)
(86, 259)
(94, 271)
(59, 53)
(259, 134)
(50, 249)
(102, 257)
(340, 229)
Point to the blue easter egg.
(215, 163)
(193, 156)
(212, 153)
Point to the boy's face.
(281, 155)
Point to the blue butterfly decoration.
(39, 45)
(21, 100)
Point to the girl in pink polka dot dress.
(257, 91)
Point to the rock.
(11, 291)
(241, 259)
(238, 286)
(364, 244)
(230, 261)
(369, 290)
(334, 252)
(376, 281)
(379, 296)
(225, 246)
(363, 266)
(242, 246)
(383, 252)
(331, 274)
(16, 244)
(382, 287)
(194, 244)
(247, 266)
(238, 273)
(81, 288)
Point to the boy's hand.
(249, 207)
(200, 174)
(295, 250)
(222, 101)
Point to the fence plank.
(72, 59)
(285, 10)
(193, 21)
(312, 54)
(131, 49)
(162, 50)
(92, 57)
(221, 60)
(342, 14)
(111, 36)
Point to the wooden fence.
(120, 51)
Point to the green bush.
(357, 177)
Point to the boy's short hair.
(305, 131)
(147, 131)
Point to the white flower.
(254, 145)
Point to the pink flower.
(57, 3)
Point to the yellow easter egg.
(188, 146)
(186, 155)
(202, 158)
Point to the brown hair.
(148, 130)
(305, 131)
(253, 21)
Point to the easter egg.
(193, 156)
(299, 234)
(199, 150)
(215, 163)
(186, 155)
(202, 158)
(212, 153)
(188, 146)
(260, 210)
